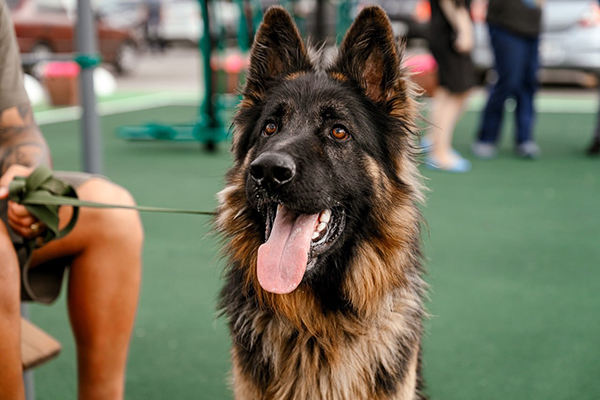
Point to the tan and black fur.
(352, 329)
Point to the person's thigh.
(9, 267)
(511, 59)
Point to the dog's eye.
(338, 132)
(270, 129)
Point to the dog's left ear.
(370, 56)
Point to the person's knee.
(112, 224)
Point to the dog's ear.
(277, 51)
(370, 56)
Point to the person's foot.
(485, 151)
(529, 150)
(427, 147)
(453, 163)
(594, 149)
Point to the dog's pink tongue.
(282, 259)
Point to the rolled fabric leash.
(43, 194)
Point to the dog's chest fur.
(348, 358)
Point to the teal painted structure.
(208, 128)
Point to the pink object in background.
(424, 69)
(60, 78)
(227, 70)
(61, 68)
(234, 63)
(420, 63)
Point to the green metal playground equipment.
(208, 128)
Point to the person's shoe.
(460, 165)
(485, 151)
(529, 150)
(594, 149)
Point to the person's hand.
(19, 219)
(464, 41)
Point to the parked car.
(44, 27)
(122, 14)
(570, 36)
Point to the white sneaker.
(529, 150)
(483, 150)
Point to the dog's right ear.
(277, 51)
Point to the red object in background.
(46, 26)
(424, 69)
(479, 11)
(591, 16)
(60, 79)
(422, 12)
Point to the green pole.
(257, 15)
(344, 17)
(207, 112)
(242, 36)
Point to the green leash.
(42, 194)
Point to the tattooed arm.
(21, 142)
(22, 148)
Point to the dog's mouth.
(293, 244)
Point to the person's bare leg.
(103, 287)
(11, 371)
(446, 110)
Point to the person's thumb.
(4, 182)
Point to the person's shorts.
(42, 283)
(456, 71)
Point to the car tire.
(126, 59)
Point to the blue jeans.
(516, 65)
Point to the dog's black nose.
(273, 169)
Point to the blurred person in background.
(450, 41)
(152, 25)
(103, 252)
(514, 27)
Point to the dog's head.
(322, 152)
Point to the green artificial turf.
(513, 253)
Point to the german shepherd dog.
(323, 292)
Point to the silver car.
(570, 35)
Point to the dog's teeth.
(315, 235)
(321, 226)
(325, 216)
